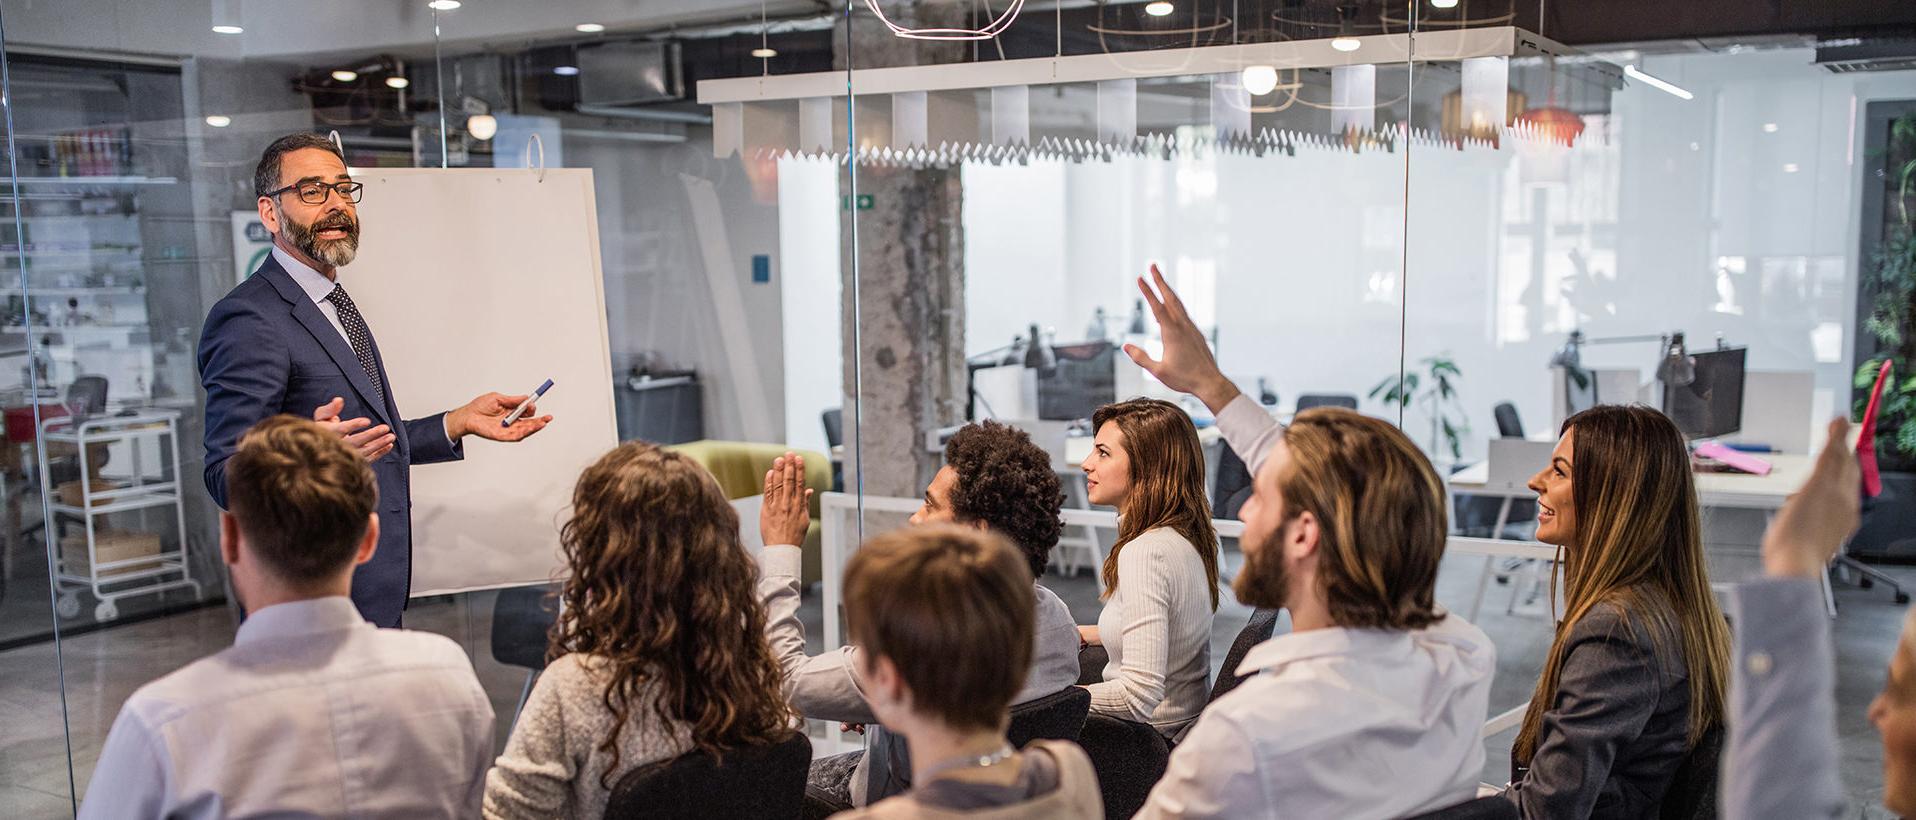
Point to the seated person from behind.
(944, 616)
(660, 644)
(313, 711)
(1373, 705)
(993, 478)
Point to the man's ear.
(369, 543)
(229, 538)
(1301, 536)
(269, 215)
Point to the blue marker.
(521, 409)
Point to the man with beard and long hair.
(290, 340)
(1372, 705)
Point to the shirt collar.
(294, 618)
(316, 285)
(1336, 641)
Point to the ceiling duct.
(1854, 56)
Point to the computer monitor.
(1084, 380)
(1710, 406)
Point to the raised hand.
(785, 515)
(370, 442)
(1187, 366)
(483, 416)
(1820, 515)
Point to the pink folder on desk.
(1866, 438)
(1734, 459)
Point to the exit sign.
(864, 202)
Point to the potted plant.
(1433, 388)
(1889, 283)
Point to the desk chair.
(1233, 484)
(1057, 716)
(1873, 532)
(522, 619)
(1692, 792)
(1494, 807)
(762, 781)
(1260, 628)
(1310, 400)
(1129, 758)
(834, 421)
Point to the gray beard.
(335, 252)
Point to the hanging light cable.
(992, 29)
(764, 50)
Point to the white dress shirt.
(313, 712)
(1344, 723)
(317, 288)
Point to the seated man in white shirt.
(1371, 707)
(993, 478)
(313, 712)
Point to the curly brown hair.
(1007, 482)
(662, 592)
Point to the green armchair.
(740, 469)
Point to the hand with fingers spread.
(785, 515)
(483, 416)
(1187, 365)
(369, 441)
(1820, 515)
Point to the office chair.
(1494, 807)
(1129, 758)
(1508, 424)
(1692, 792)
(761, 781)
(1876, 529)
(1057, 716)
(1260, 628)
(1233, 485)
(1310, 400)
(834, 421)
(522, 619)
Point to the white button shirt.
(317, 288)
(1343, 723)
(313, 712)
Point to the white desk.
(1718, 490)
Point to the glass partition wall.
(849, 230)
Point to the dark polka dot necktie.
(361, 338)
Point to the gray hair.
(266, 176)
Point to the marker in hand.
(521, 409)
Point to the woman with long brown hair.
(660, 645)
(1160, 580)
(1636, 674)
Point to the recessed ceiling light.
(1769, 128)
(1345, 43)
(228, 30)
(1790, 168)
(397, 82)
(1443, 4)
(590, 28)
(1159, 8)
(219, 120)
(482, 126)
(345, 75)
(566, 70)
(765, 53)
(443, 5)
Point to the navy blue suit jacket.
(266, 350)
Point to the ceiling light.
(219, 120)
(1260, 80)
(589, 28)
(1769, 128)
(1635, 73)
(1159, 8)
(1443, 4)
(226, 17)
(764, 53)
(482, 126)
(443, 5)
(228, 30)
(345, 75)
(397, 82)
(1790, 168)
(989, 30)
(1345, 43)
(566, 70)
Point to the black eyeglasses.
(315, 193)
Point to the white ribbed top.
(1157, 628)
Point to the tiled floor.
(104, 667)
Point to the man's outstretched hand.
(482, 417)
(369, 441)
(1187, 366)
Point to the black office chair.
(1476, 516)
(764, 781)
(1129, 758)
(522, 619)
(1877, 529)
(1692, 792)
(1260, 628)
(834, 421)
(1310, 400)
(86, 397)
(1233, 485)
(1057, 716)
(1508, 424)
(1092, 659)
(1494, 807)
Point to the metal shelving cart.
(167, 568)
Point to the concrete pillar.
(911, 282)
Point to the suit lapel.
(309, 317)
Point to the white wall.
(809, 283)
(1667, 215)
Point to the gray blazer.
(1618, 728)
(1781, 760)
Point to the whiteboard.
(489, 279)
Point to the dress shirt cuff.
(1247, 427)
(1790, 611)
(781, 560)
